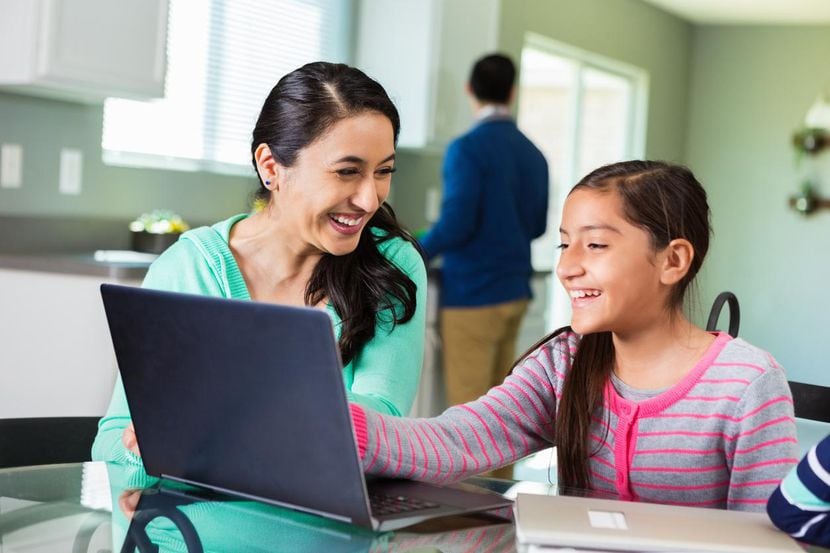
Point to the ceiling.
(749, 12)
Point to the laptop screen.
(239, 396)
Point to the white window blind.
(223, 57)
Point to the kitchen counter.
(75, 264)
(66, 245)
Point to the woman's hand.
(129, 440)
(128, 502)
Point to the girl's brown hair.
(667, 202)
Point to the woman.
(641, 403)
(324, 150)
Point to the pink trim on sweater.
(680, 390)
(361, 434)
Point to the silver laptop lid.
(628, 526)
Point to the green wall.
(43, 126)
(751, 87)
(625, 30)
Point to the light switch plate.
(11, 166)
(71, 171)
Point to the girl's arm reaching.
(513, 420)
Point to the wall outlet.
(432, 211)
(11, 166)
(71, 171)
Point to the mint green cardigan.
(384, 376)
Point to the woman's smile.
(347, 223)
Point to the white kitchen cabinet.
(422, 52)
(84, 50)
(56, 357)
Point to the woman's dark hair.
(362, 284)
(667, 202)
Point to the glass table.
(100, 507)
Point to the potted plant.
(154, 232)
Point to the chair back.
(811, 401)
(46, 440)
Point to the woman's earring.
(268, 184)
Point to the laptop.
(546, 521)
(248, 398)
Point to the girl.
(324, 151)
(641, 403)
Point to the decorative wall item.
(809, 143)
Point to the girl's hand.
(129, 440)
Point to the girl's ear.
(677, 258)
(269, 168)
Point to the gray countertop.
(75, 264)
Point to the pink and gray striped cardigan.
(722, 437)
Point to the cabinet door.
(85, 49)
(56, 357)
(116, 46)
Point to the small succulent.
(159, 221)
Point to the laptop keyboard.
(383, 504)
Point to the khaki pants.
(479, 347)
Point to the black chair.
(46, 441)
(811, 401)
(731, 301)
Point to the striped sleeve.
(764, 444)
(510, 422)
(800, 506)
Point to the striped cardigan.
(801, 505)
(723, 437)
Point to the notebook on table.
(609, 525)
(248, 398)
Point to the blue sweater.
(801, 504)
(494, 203)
